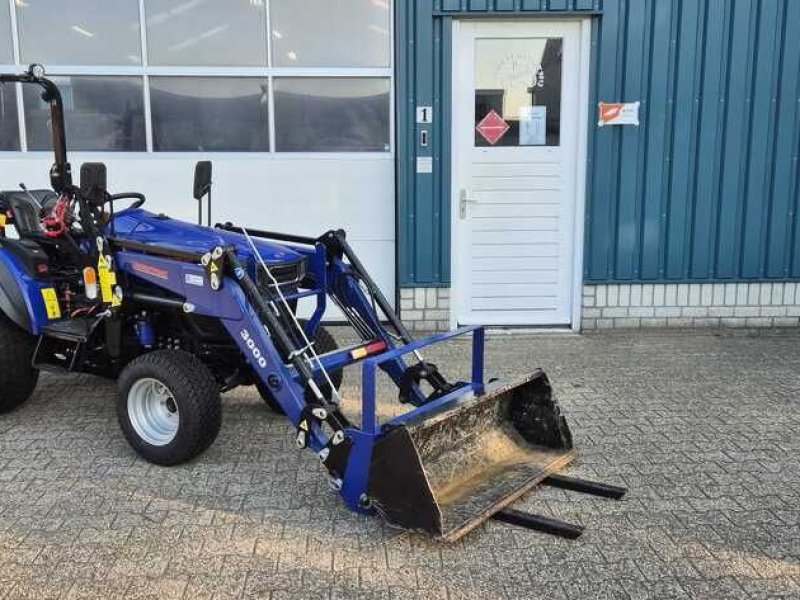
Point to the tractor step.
(61, 344)
(73, 330)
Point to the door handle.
(464, 199)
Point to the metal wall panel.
(706, 189)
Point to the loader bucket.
(448, 472)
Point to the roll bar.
(61, 171)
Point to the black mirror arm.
(61, 172)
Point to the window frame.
(270, 73)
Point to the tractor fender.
(12, 300)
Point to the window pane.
(6, 52)
(9, 126)
(89, 32)
(331, 115)
(101, 113)
(330, 33)
(518, 92)
(211, 114)
(206, 32)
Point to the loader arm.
(466, 450)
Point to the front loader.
(179, 313)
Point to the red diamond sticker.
(492, 127)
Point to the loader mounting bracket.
(428, 372)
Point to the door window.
(518, 91)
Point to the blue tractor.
(178, 313)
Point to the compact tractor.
(178, 313)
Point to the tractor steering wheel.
(140, 199)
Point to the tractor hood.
(141, 226)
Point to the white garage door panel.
(541, 304)
(511, 169)
(543, 197)
(513, 264)
(550, 251)
(306, 196)
(510, 211)
(501, 277)
(500, 237)
(538, 224)
(514, 290)
(516, 184)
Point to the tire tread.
(197, 395)
(18, 378)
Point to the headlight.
(286, 274)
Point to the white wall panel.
(305, 195)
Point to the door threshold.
(530, 330)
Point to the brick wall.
(692, 305)
(644, 305)
(425, 309)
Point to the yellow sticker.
(214, 268)
(51, 303)
(106, 293)
(3, 220)
(304, 425)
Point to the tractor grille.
(287, 274)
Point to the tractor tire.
(168, 406)
(323, 343)
(18, 378)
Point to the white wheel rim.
(153, 411)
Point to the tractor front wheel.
(168, 406)
(17, 377)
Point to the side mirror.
(202, 179)
(93, 183)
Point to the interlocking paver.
(703, 426)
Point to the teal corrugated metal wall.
(705, 190)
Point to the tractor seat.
(26, 213)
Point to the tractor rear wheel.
(17, 377)
(168, 406)
(323, 343)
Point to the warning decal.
(618, 113)
(51, 303)
(492, 127)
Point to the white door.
(517, 111)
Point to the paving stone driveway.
(704, 428)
